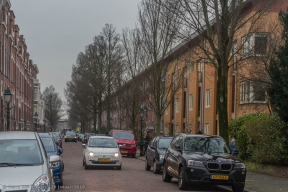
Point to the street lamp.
(141, 111)
(7, 98)
(35, 116)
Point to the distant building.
(63, 125)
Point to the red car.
(126, 141)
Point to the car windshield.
(71, 134)
(48, 144)
(123, 135)
(205, 145)
(164, 143)
(22, 152)
(102, 143)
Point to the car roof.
(101, 137)
(119, 130)
(164, 137)
(44, 135)
(17, 135)
(202, 135)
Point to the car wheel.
(133, 156)
(86, 166)
(238, 188)
(182, 179)
(165, 176)
(83, 162)
(119, 167)
(155, 170)
(147, 166)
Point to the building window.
(234, 55)
(208, 98)
(255, 44)
(191, 67)
(252, 92)
(177, 105)
(190, 102)
(166, 110)
(207, 129)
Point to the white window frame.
(207, 98)
(207, 129)
(249, 44)
(177, 105)
(247, 94)
(191, 67)
(190, 102)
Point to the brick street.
(132, 177)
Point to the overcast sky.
(57, 30)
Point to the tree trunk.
(222, 101)
(158, 123)
(94, 120)
(99, 118)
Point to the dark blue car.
(52, 149)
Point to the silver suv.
(22, 153)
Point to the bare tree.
(53, 105)
(158, 34)
(218, 23)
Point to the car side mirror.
(84, 145)
(235, 152)
(178, 148)
(152, 147)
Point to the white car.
(24, 164)
(101, 151)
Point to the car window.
(48, 144)
(206, 145)
(164, 143)
(20, 151)
(180, 142)
(123, 135)
(151, 143)
(155, 142)
(173, 143)
(70, 133)
(102, 143)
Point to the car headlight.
(90, 154)
(161, 157)
(41, 184)
(55, 164)
(195, 163)
(116, 155)
(239, 166)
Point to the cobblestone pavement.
(132, 177)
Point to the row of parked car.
(30, 160)
(195, 160)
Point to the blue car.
(52, 149)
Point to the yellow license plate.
(124, 151)
(219, 177)
(104, 160)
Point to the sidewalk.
(256, 182)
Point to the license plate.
(124, 151)
(104, 160)
(219, 177)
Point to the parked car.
(155, 153)
(23, 162)
(52, 149)
(70, 136)
(203, 159)
(57, 138)
(86, 137)
(125, 140)
(101, 151)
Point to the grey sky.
(57, 30)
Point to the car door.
(178, 155)
(172, 160)
(154, 149)
(149, 154)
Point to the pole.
(8, 116)
(141, 144)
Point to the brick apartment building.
(17, 71)
(193, 107)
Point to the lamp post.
(7, 98)
(35, 116)
(141, 139)
(44, 121)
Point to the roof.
(17, 135)
(120, 130)
(101, 137)
(44, 135)
(201, 135)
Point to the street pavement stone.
(133, 177)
